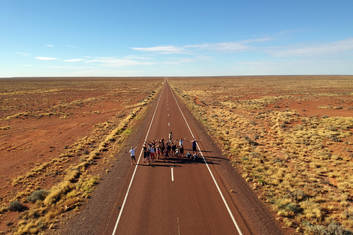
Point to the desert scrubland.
(58, 137)
(290, 137)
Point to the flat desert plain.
(58, 136)
(290, 137)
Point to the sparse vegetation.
(290, 141)
(38, 195)
(58, 184)
(4, 128)
(17, 206)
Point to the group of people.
(160, 148)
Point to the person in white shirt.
(132, 155)
(180, 142)
(170, 136)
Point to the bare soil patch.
(291, 138)
(60, 134)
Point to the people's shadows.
(202, 150)
(185, 160)
(154, 164)
(159, 163)
(217, 157)
(206, 151)
(178, 162)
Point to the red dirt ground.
(76, 107)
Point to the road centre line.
(133, 174)
(172, 173)
(209, 170)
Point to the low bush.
(17, 206)
(38, 195)
(332, 229)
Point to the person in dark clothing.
(146, 154)
(181, 150)
(162, 145)
(194, 146)
(174, 147)
(169, 148)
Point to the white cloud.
(161, 49)
(229, 46)
(315, 50)
(49, 45)
(45, 58)
(116, 62)
(220, 46)
(73, 60)
(21, 53)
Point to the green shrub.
(17, 206)
(38, 195)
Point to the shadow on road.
(202, 150)
(178, 162)
(216, 157)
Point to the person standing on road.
(162, 146)
(180, 142)
(194, 146)
(169, 148)
(158, 150)
(181, 150)
(174, 148)
(145, 153)
(170, 136)
(152, 151)
(132, 155)
(177, 153)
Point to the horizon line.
(184, 76)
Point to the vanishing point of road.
(173, 196)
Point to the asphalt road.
(173, 196)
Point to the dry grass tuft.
(299, 163)
(75, 183)
(4, 128)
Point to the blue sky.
(175, 38)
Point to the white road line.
(168, 123)
(209, 170)
(133, 174)
(172, 173)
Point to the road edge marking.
(209, 170)
(133, 174)
(172, 173)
